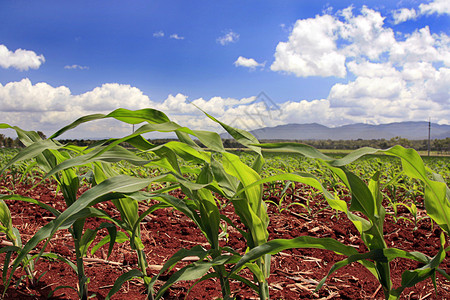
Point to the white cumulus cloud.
(20, 59)
(228, 37)
(158, 34)
(23, 96)
(390, 78)
(437, 6)
(423, 46)
(311, 49)
(365, 34)
(248, 63)
(41, 106)
(110, 96)
(384, 95)
(403, 15)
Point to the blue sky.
(330, 62)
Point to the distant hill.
(314, 131)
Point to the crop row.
(150, 172)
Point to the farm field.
(248, 225)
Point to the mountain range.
(314, 131)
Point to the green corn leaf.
(229, 184)
(305, 178)
(188, 153)
(170, 201)
(209, 217)
(31, 200)
(437, 203)
(250, 209)
(118, 184)
(50, 228)
(194, 271)
(198, 251)
(185, 138)
(303, 149)
(411, 278)
(86, 240)
(140, 143)
(353, 156)
(31, 152)
(9, 251)
(79, 121)
(120, 238)
(209, 212)
(55, 256)
(113, 155)
(374, 187)
(278, 245)
(362, 199)
(124, 115)
(102, 171)
(161, 127)
(129, 211)
(121, 280)
(26, 137)
(241, 136)
(6, 221)
(90, 234)
(138, 116)
(60, 287)
(211, 140)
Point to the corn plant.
(366, 199)
(282, 195)
(13, 235)
(57, 162)
(412, 208)
(225, 178)
(219, 172)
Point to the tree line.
(439, 145)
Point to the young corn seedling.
(366, 199)
(13, 236)
(412, 208)
(225, 178)
(228, 177)
(279, 204)
(54, 159)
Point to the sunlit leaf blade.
(121, 280)
(436, 202)
(303, 149)
(31, 152)
(138, 116)
(278, 245)
(193, 271)
(243, 137)
(250, 209)
(79, 121)
(31, 200)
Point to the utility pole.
(429, 136)
(133, 128)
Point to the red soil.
(295, 273)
